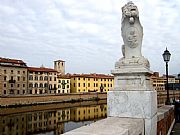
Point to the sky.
(86, 33)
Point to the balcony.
(12, 81)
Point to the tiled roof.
(14, 61)
(64, 76)
(92, 76)
(41, 69)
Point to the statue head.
(131, 11)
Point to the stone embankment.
(49, 99)
(128, 126)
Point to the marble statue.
(132, 34)
(133, 95)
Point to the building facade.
(13, 77)
(159, 82)
(63, 84)
(42, 80)
(91, 83)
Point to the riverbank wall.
(49, 99)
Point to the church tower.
(59, 65)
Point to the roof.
(64, 76)
(93, 76)
(59, 61)
(41, 69)
(15, 61)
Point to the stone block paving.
(176, 129)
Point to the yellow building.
(88, 113)
(63, 84)
(91, 83)
(13, 77)
(160, 81)
(42, 80)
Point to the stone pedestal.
(134, 104)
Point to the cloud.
(86, 34)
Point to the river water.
(51, 119)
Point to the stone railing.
(166, 119)
(128, 126)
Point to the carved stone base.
(135, 62)
(132, 74)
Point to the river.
(50, 119)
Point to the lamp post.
(166, 57)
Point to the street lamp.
(166, 57)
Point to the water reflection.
(51, 122)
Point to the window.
(59, 86)
(54, 78)
(88, 84)
(4, 71)
(18, 85)
(35, 91)
(84, 84)
(11, 77)
(18, 72)
(59, 91)
(36, 77)
(23, 91)
(94, 85)
(59, 81)
(67, 81)
(23, 72)
(63, 91)
(36, 85)
(67, 86)
(4, 91)
(11, 85)
(17, 91)
(4, 78)
(79, 84)
(24, 78)
(46, 78)
(45, 85)
(18, 78)
(50, 78)
(11, 71)
(74, 85)
(41, 85)
(78, 78)
(50, 86)
(30, 77)
(30, 85)
(54, 86)
(41, 78)
(23, 85)
(4, 85)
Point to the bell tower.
(59, 65)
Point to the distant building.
(160, 81)
(63, 84)
(42, 80)
(59, 65)
(91, 83)
(13, 77)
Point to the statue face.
(132, 37)
(130, 10)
